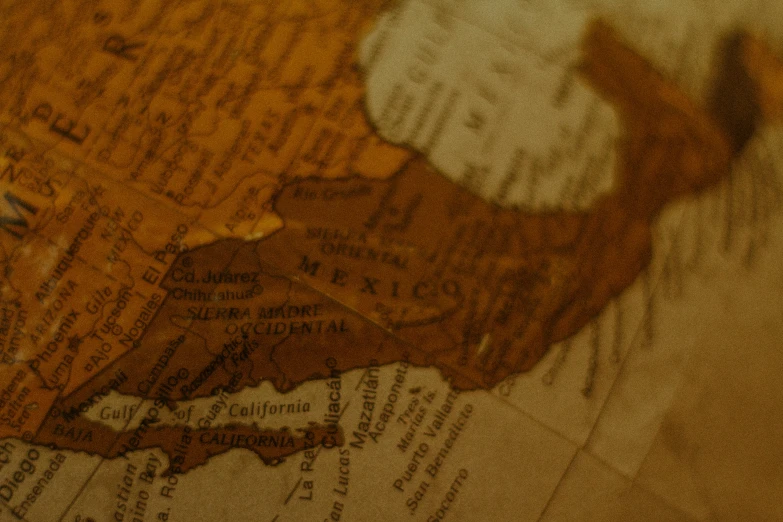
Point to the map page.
(431, 260)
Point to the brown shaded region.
(485, 291)
(186, 448)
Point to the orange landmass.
(132, 133)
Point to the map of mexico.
(210, 207)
